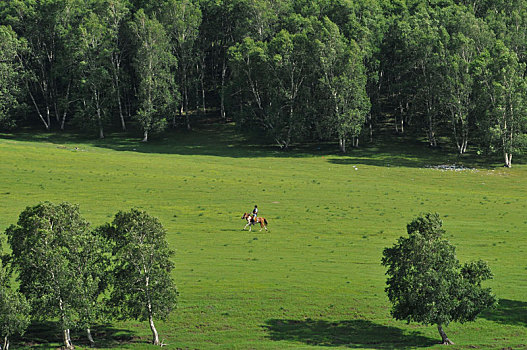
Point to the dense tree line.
(299, 70)
(83, 276)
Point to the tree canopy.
(297, 71)
(427, 284)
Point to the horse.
(251, 222)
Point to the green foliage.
(154, 65)
(60, 265)
(426, 282)
(14, 308)
(142, 284)
(413, 65)
(10, 75)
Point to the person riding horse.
(255, 213)
(251, 220)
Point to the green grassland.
(315, 279)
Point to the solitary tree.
(426, 282)
(142, 284)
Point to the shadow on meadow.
(47, 335)
(226, 140)
(510, 312)
(351, 334)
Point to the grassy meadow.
(315, 279)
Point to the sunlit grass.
(315, 279)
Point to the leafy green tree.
(95, 49)
(275, 77)
(343, 77)
(143, 287)
(59, 265)
(10, 73)
(427, 284)
(252, 76)
(154, 67)
(424, 46)
(464, 38)
(90, 260)
(290, 68)
(48, 27)
(502, 89)
(182, 19)
(14, 308)
(118, 11)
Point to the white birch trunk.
(155, 335)
(342, 144)
(222, 92)
(67, 340)
(90, 338)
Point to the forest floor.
(315, 279)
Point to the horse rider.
(255, 213)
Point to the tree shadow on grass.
(226, 140)
(47, 334)
(511, 312)
(352, 334)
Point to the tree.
(427, 284)
(155, 67)
(10, 74)
(14, 308)
(59, 265)
(467, 36)
(142, 283)
(344, 80)
(502, 87)
(118, 10)
(182, 19)
(48, 27)
(95, 50)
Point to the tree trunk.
(99, 116)
(145, 136)
(90, 338)
(66, 338)
(508, 159)
(202, 79)
(46, 125)
(222, 92)
(342, 144)
(155, 335)
(187, 117)
(444, 338)
(48, 114)
(6, 343)
(69, 339)
(65, 113)
(118, 91)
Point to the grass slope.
(315, 279)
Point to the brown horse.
(251, 221)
